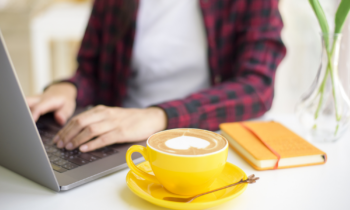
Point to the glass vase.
(324, 109)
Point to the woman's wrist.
(159, 116)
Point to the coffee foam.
(187, 142)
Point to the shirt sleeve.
(249, 93)
(85, 76)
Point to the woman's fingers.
(64, 113)
(106, 139)
(31, 101)
(132, 125)
(44, 106)
(110, 125)
(58, 98)
(89, 132)
(78, 123)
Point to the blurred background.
(43, 37)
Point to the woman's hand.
(110, 125)
(58, 98)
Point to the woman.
(161, 64)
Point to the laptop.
(25, 146)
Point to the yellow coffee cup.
(181, 174)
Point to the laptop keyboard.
(63, 160)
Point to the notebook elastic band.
(262, 141)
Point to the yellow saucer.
(154, 193)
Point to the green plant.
(340, 17)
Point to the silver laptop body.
(22, 149)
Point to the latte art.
(187, 142)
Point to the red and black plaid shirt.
(244, 50)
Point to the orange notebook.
(247, 140)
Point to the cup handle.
(136, 170)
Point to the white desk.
(314, 187)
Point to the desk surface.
(314, 187)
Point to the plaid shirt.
(244, 50)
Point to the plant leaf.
(321, 17)
(340, 16)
